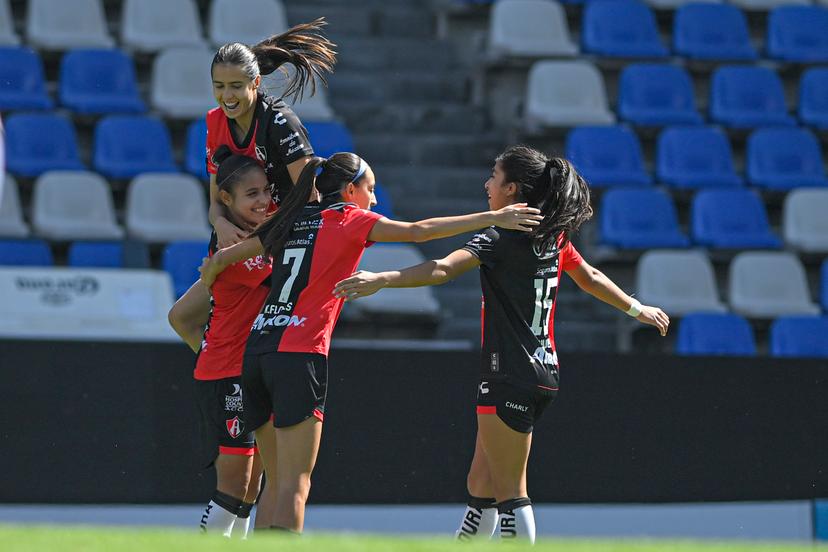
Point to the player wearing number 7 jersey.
(519, 274)
(313, 246)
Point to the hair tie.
(363, 166)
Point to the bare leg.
(479, 480)
(507, 453)
(266, 442)
(190, 314)
(298, 447)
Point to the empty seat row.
(753, 5)
(570, 93)
(698, 157)
(701, 31)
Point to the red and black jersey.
(237, 297)
(324, 247)
(276, 139)
(520, 287)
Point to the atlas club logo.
(234, 426)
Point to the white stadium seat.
(805, 220)
(8, 37)
(74, 205)
(164, 207)
(310, 108)
(152, 25)
(60, 25)
(680, 282)
(529, 28)
(565, 93)
(11, 214)
(762, 5)
(769, 284)
(181, 83)
(245, 21)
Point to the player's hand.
(209, 271)
(359, 284)
(518, 217)
(654, 316)
(228, 233)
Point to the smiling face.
(234, 91)
(362, 192)
(499, 192)
(249, 198)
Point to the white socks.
(242, 526)
(516, 519)
(479, 521)
(220, 514)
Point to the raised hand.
(518, 217)
(359, 284)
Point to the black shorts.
(518, 407)
(223, 430)
(290, 386)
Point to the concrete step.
(411, 86)
(442, 117)
(429, 149)
(366, 19)
(445, 186)
(397, 54)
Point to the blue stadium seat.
(823, 286)
(640, 219)
(25, 253)
(784, 158)
(328, 138)
(96, 254)
(620, 29)
(798, 34)
(22, 84)
(657, 95)
(99, 81)
(40, 142)
(712, 32)
(194, 154)
(384, 205)
(181, 260)
(731, 219)
(746, 97)
(695, 157)
(607, 156)
(799, 336)
(813, 97)
(128, 145)
(715, 334)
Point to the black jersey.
(519, 291)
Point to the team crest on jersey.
(234, 426)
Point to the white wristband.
(635, 309)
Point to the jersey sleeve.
(570, 258)
(287, 138)
(484, 246)
(359, 223)
(212, 138)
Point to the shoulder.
(490, 235)
(214, 116)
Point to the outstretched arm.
(429, 273)
(211, 267)
(597, 284)
(513, 217)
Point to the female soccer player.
(314, 245)
(519, 274)
(256, 125)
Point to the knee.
(478, 484)
(299, 487)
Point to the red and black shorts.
(290, 386)
(519, 407)
(223, 429)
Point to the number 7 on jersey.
(294, 257)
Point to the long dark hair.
(337, 171)
(303, 46)
(232, 168)
(552, 185)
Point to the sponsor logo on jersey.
(289, 138)
(255, 263)
(279, 119)
(513, 406)
(234, 402)
(261, 154)
(278, 321)
(481, 237)
(545, 357)
(494, 362)
(295, 148)
(234, 426)
(484, 387)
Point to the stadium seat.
(60, 25)
(714, 334)
(181, 83)
(769, 284)
(36, 143)
(99, 81)
(8, 36)
(823, 286)
(657, 95)
(181, 260)
(695, 157)
(564, 94)
(673, 4)
(640, 219)
(607, 156)
(799, 336)
(745, 97)
(73, 205)
(529, 28)
(166, 207)
(25, 253)
(798, 34)
(308, 108)
(680, 282)
(784, 158)
(22, 84)
(128, 145)
(813, 97)
(245, 21)
(152, 25)
(108, 254)
(712, 32)
(329, 138)
(804, 220)
(195, 159)
(11, 214)
(620, 29)
(764, 5)
(731, 219)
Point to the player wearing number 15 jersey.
(519, 274)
